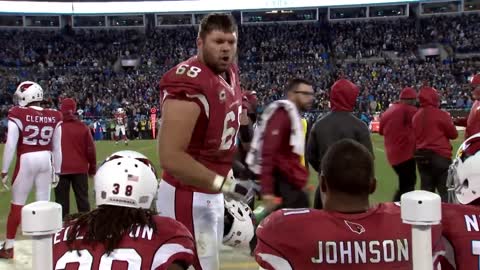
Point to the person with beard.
(201, 102)
(79, 160)
(278, 147)
(338, 124)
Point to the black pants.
(79, 184)
(292, 197)
(433, 170)
(407, 177)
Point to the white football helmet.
(463, 181)
(28, 92)
(120, 110)
(134, 155)
(126, 182)
(238, 224)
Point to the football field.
(386, 186)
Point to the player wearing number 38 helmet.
(123, 230)
(35, 134)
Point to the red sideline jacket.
(278, 155)
(396, 127)
(78, 149)
(433, 127)
(472, 122)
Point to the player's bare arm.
(179, 119)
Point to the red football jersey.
(317, 239)
(36, 128)
(120, 118)
(213, 140)
(139, 249)
(460, 226)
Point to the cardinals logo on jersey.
(355, 227)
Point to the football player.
(123, 232)
(460, 221)
(472, 121)
(120, 123)
(35, 134)
(201, 105)
(349, 233)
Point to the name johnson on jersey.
(360, 252)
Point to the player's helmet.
(464, 174)
(28, 92)
(238, 225)
(126, 182)
(132, 154)
(120, 110)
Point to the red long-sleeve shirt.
(78, 149)
(396, 127)
(433, 127)
(278, 155)
(472, 122)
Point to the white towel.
(297, 139)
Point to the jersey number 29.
(38, 136)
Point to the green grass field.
(230, 259)
(387, 181)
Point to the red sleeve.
(14, 113)
(269, 249)
(177, 250)
(277, 129)
(381, 125)
(449, 127)
(438, 248)
(91, 156)
(264, 255)
(462, 121)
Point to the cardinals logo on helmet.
(25, 86)
(355, 227)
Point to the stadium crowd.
(85, 64)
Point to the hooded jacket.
(78, 149)
(472, 122)
(396, 127)
(339, 124)
(433, 127)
